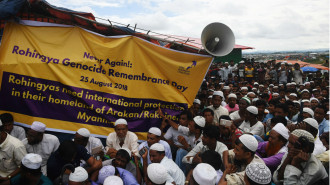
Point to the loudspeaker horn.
(218, 39)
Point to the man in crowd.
(154, 136)
(121, 138)
(251, 124)
(157, 155)
(92, 144)
(10, 128)
(216, 106)
(272, 151)
(12, 152)
(40, 143)
(236, 160)
(299, 165)
(30, 172)
(209, 142)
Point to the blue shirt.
(127, 177)
(268, 116)
(167, 147)
(323, 127)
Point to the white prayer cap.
(258, 173)
(300, 132)
(328, 112)
(293, 83)
(38, 126)
(271, 85)
(252, 109)
(0, 122)
(84, 132)
(282, 130)
(312, 122)
(200, 121)
(244, 88)
(249, 142)
(266, 111)
(275, 94)
(226, 63)
(79, 175)
(253, 89)
(157, 147)
(251, 93)
(226, 87)
(255, 83)
(241, 62)
(312, 81)
(218, 93)
(211, 90)
(288, 84)
(105, 172)
(296, 102)
(205, 174)
(304, 100)
(210, 96)
(293, 94)
(314, 90)
(221, 83)
(255, 99)
(307, 83)
(232, 95)
(305, 90)
(261, 85)
(120, 121)
(157, 173)
(275, 87)
(113, 180)
(280, 84)
(155, 130)
(309, 111)
(32, 161)
(314, 99)
(197, 101)
(127, 150)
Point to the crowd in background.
(251, 123)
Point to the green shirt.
(43, 180)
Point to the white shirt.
(234, 115)
(218, 112)
(130, 142)
(318, 146)
(93, 142)
(173, 134)
(18, 132)
(167, 147)
(220, 148)
(313, 170)
(238, 177)
(12, 152)
(173, 170)
(48, 145)
(256, 129)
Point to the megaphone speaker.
(218, 39)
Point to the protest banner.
(69, 78)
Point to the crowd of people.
(251, 123)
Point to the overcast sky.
(262, 24)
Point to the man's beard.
(239, 162)
(121, 139)
(272, 149)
